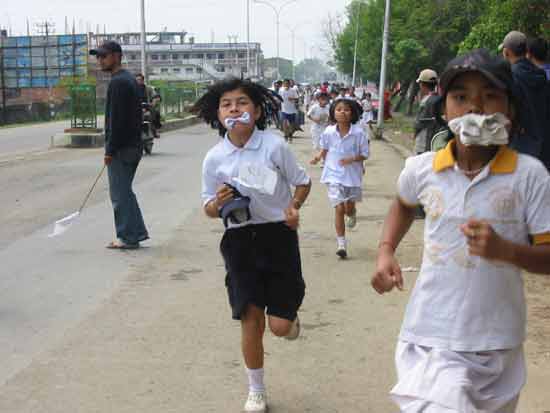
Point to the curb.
(87, 139)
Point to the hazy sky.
(202, 18)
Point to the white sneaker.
(256, 402)
(351, 221)
(341, 250)
(294, 332)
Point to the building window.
(176, 70)
(154, 57)
(199, 69)
(210, 56)
(186, 55)
(221, 55)
(241, 55)
(164, 57)
(175, 56)
(220, 68)
(133, 57)
(163, 70)
(198, 56)
(188, 70)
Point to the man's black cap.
(106, 48)
(494, 68)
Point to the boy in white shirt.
(319, 114)
(487, 217)
(344, 147)
(289, 109)
(247, 179)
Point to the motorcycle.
(147, 135)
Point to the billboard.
(41, 61)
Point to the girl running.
(247, 178)
(344, 147)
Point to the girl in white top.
(319, 114)
(247, 179)
(344, 147)
(487, 217)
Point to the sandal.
(118, 245)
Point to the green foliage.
(69, 81)
(431, 32)
(311, 70)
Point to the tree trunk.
(413, 90)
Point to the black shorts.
(263, 268)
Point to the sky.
(203, 19)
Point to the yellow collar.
(504, 162)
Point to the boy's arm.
(484, 242)
(388, 273)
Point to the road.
(85, 329)
(31, 138)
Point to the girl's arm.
(484, 242)
(321, 156)
(397, 223)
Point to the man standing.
(123, 146)
(426, 125)
(530, 87)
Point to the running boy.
(246, 179)
(461, 344)
(319, 114)
(344, 147)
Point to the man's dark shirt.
(531, 89)
(123, 114)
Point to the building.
(170, 56)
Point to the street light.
(143, 42)
(359, 2)
(277, 15)
(292, 30)
(380, 123)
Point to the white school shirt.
(460, 302)
(317, 112)
(353, 144)
(288, 106)
(222, 162)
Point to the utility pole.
(380, 123)
(356, 41)
(248, 39)
(143, 43)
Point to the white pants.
(442, 381)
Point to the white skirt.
(442, 381)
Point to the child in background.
(487, 218)
(319, 114)
(344, 147)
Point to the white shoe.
(351, 221)
(294, 332)
(256, 402)
(341, 250)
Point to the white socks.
(341, 241)
(255, 380)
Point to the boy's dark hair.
(323, 95)
(538, 47)
(140, 75)
(206, 108)
(356, 109)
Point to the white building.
(171, 57)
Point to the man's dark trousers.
(129, 224)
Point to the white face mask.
(483, 130)
(231, 122)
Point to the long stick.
(91, 189)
